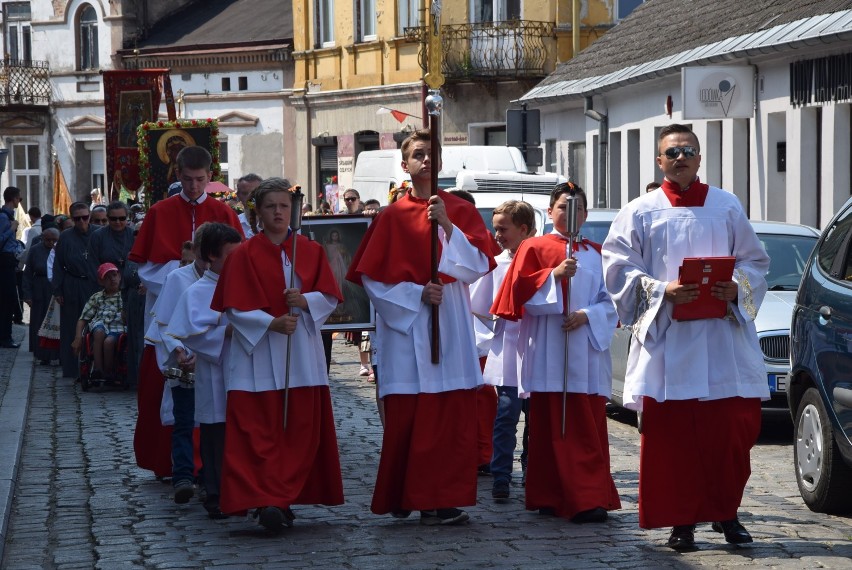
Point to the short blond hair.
(520, 212)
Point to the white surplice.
(541, 340)
(706, 359)
(258, 356)
(201, 330)
(403, 323)
(496, 337)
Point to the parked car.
(820, 387)
(788, 247)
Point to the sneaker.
(500, 490)
(364, 371)
(443, 517)
(400, 514)
(184, 491)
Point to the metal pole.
(573, 230)
(295, 226)
(434, 104)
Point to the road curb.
(13, 420)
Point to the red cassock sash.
(169, 223)
(253, 276)
(532, 265)
(397, 247)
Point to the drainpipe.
(312, 193)
(575, 27)
(603, 137)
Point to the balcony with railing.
(514, 49)
(24, 82)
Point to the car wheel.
(822, 475)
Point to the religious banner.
(340, 237)
(131, 98)
(159, 144)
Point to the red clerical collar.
(691, 196)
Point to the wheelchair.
(86, 360)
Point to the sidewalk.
(16, 372)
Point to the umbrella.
(213, 187)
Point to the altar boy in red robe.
(429, 450)
(267, 467)
(567, 476)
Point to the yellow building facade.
(356, 60)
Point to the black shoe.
(596, 515)
(400, 514)
(484, 469)
(216, 514)
(271, 518)
(547, 512)
(735, 533)
(184, 491)
(500, 490)
(10, 344)
(443, 517)
(682, 538)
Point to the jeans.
(183, 461)
(505, 433)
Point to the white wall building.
(226, 63)
(789, 160)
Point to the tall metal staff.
(434, 105)
(295, 225)
(573, 230)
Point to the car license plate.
(777, 383)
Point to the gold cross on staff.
(434, 78)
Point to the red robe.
(167, 225)
(571, 474)
(531, 267)
(429, 449)
(264, 465)
(411, 253)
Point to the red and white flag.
(398, 115)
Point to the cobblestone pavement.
(81, 502)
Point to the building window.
(223, 161)
(325, 22)
(625, 7)
(550, 164)
(18, 32)
(366, 20)
(88, 34)
(242, 83)
(409, 15)
(495, 10)
(25, 173)
(226, 84)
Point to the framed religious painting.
(340, 236)
(159, 143)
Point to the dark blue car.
(820, 390)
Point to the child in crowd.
(568, 474)
(105, 311)
(204, 334)
(513, 222)
(177, 398)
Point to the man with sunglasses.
(98, 217)
(75, 279)
(698, 383)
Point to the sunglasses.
(675, 151)
(79, 218)
(117, 218)
(350, 199)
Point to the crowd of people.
(499, 324)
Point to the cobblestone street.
(80, 502)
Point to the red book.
(704, 272)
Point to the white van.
(377, 170)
